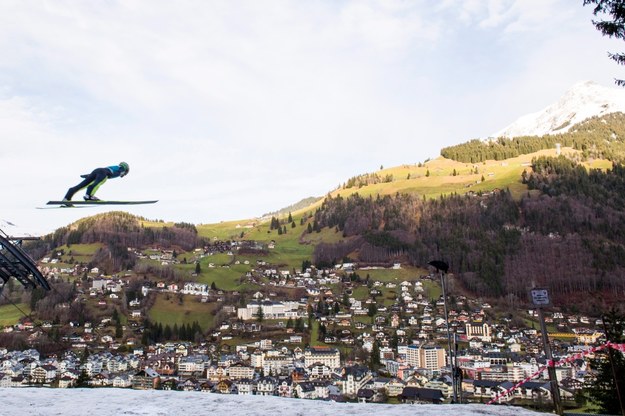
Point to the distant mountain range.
(584, 100)
(304, 203)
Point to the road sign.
(540, 297)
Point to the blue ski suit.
(95, 179)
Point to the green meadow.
(442, 181)
(294, 246)
(393, 275)
(225, 277)
(169, 310)
(11, 315)
(77, 253)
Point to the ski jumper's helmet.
(125, 168)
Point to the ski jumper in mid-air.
(92, 181)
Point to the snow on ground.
(112, 401)
(582, 101)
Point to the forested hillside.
(566, 234)
(565, 231)
(597, 137)
(117, 231)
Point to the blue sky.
(230, 109)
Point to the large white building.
(277, 364)
(323, 355)
(257, 359)
(478, 330)
(430, 357)
(193, 364)
(271, 310)
(194, 288)
(240, 371)
(354, 379)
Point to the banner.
(551, 363)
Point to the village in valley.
(350, 332)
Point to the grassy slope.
(80, 253)
(224, 277)
(171, 311)
(497, 174)
(295, 246)
(10, 315)
(289, 247)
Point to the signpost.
(540, 298)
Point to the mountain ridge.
(582, 101)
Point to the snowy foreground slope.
(582, 101)
(111, 401)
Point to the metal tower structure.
(15, 263)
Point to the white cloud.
(278, 100)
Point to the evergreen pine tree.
(610, 365)
(167, 333)
(372, 310)
(85, 354)
(374, 361)
(159, 332)
(345, 300)
(299, 324)
(322, 332)
(260, 314)
(614, 28)
(119, 332)
(83, 379)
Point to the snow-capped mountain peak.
(584, 100)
